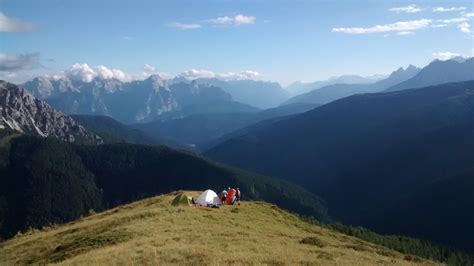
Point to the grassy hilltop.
(152, 231)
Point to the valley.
(236, 132)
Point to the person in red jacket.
(230, 196)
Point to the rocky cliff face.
(135, 101)
(21, 111)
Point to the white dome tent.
(208, 197)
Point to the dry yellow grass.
(151, 232)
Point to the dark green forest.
(38, 177)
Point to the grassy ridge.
(151, 231)
(44, 181)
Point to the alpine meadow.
(237, 132)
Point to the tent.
(207, 198)
(182, 199)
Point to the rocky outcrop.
(22, 112)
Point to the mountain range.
(395, 162)
(437, 72)
(299, 87)
(390, 155)
(202, 130)
(46, 177)
(135, 101)
(257, 93)
(336, 91)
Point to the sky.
(283, 41)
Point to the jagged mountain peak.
(156, 81)
(22, 112)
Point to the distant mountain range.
(299, 87)
(136, 101)
(438, 72)
(20, 111)
(204, 130)
(261, 94)
(340, 90)
(396, 162)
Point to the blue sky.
(280, 40)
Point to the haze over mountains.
(299, 87)
(336, 91)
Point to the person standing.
(237, 195)
(223, 195)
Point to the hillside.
(372, 156)
(112, 131)
(37, 177)
(151, 231)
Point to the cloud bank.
(406, 9)
(184, 26)
(448, 9)
(401, 26)
(13, 25)
(236, 20)
(9, 62)
(85, 73)
(203, 73)
(445, 55)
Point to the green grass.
(152, 231)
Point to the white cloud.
(9, 62)
(203, 73)
(197, 73)
(397, 26)
(149, 68)
(86, 74)
(469, 15)
(465, 27)
(13, 25)
(448, 9)
(406, 9)
(81, 72)
(236, 20)
(242, 20)
(445, 55)
(405, 33)
(439, 25)
(184, 26)
(246, 74)
(453, 20)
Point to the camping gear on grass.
(208, 198)
(182, 200)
